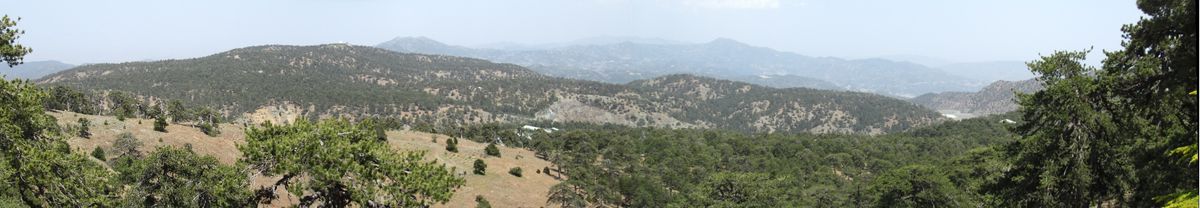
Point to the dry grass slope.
(500, 188)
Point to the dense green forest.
(651, 167)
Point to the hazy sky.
(956, 30)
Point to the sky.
(952, 30)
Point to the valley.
(580, 104)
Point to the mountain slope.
(721, 58)
(34, 69)
(502, 189)
(998, 97)
(357, 81)
(700, 99)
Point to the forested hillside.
(647, 167)
(742, 106)
(359, 82)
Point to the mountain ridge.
(359, 81)
(34, 69)
(722, 58)
(998, 97)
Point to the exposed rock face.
(998, 97)
(277, 114)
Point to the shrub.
(209, 129)
(98, 154)
(127, 145)
(515, 171)
(480, 202)
(160, 124)
(480, 167)
(451, 145)
(84, 124)
(491, 150)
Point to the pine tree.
(160, 124)
(451, 145)
(99, 154)
(1100, 137)
(127, 145)
(84, 125)
(336, 163)
(480, 167)
(178, 112)
(209, 129)
(491, 150)
(177, 177)
(36, 162)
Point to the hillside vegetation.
(646, 167)
(501, 189)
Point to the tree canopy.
(11, 52)
(44, 172)
(1102, 136)
(175, 177)
(337, 163)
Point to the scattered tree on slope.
(336, 163)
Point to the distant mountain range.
(358, 81)
(721, 58)
(992, 71)
(986, 71)
(585, 41)
(998, 97)
(33, 69)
